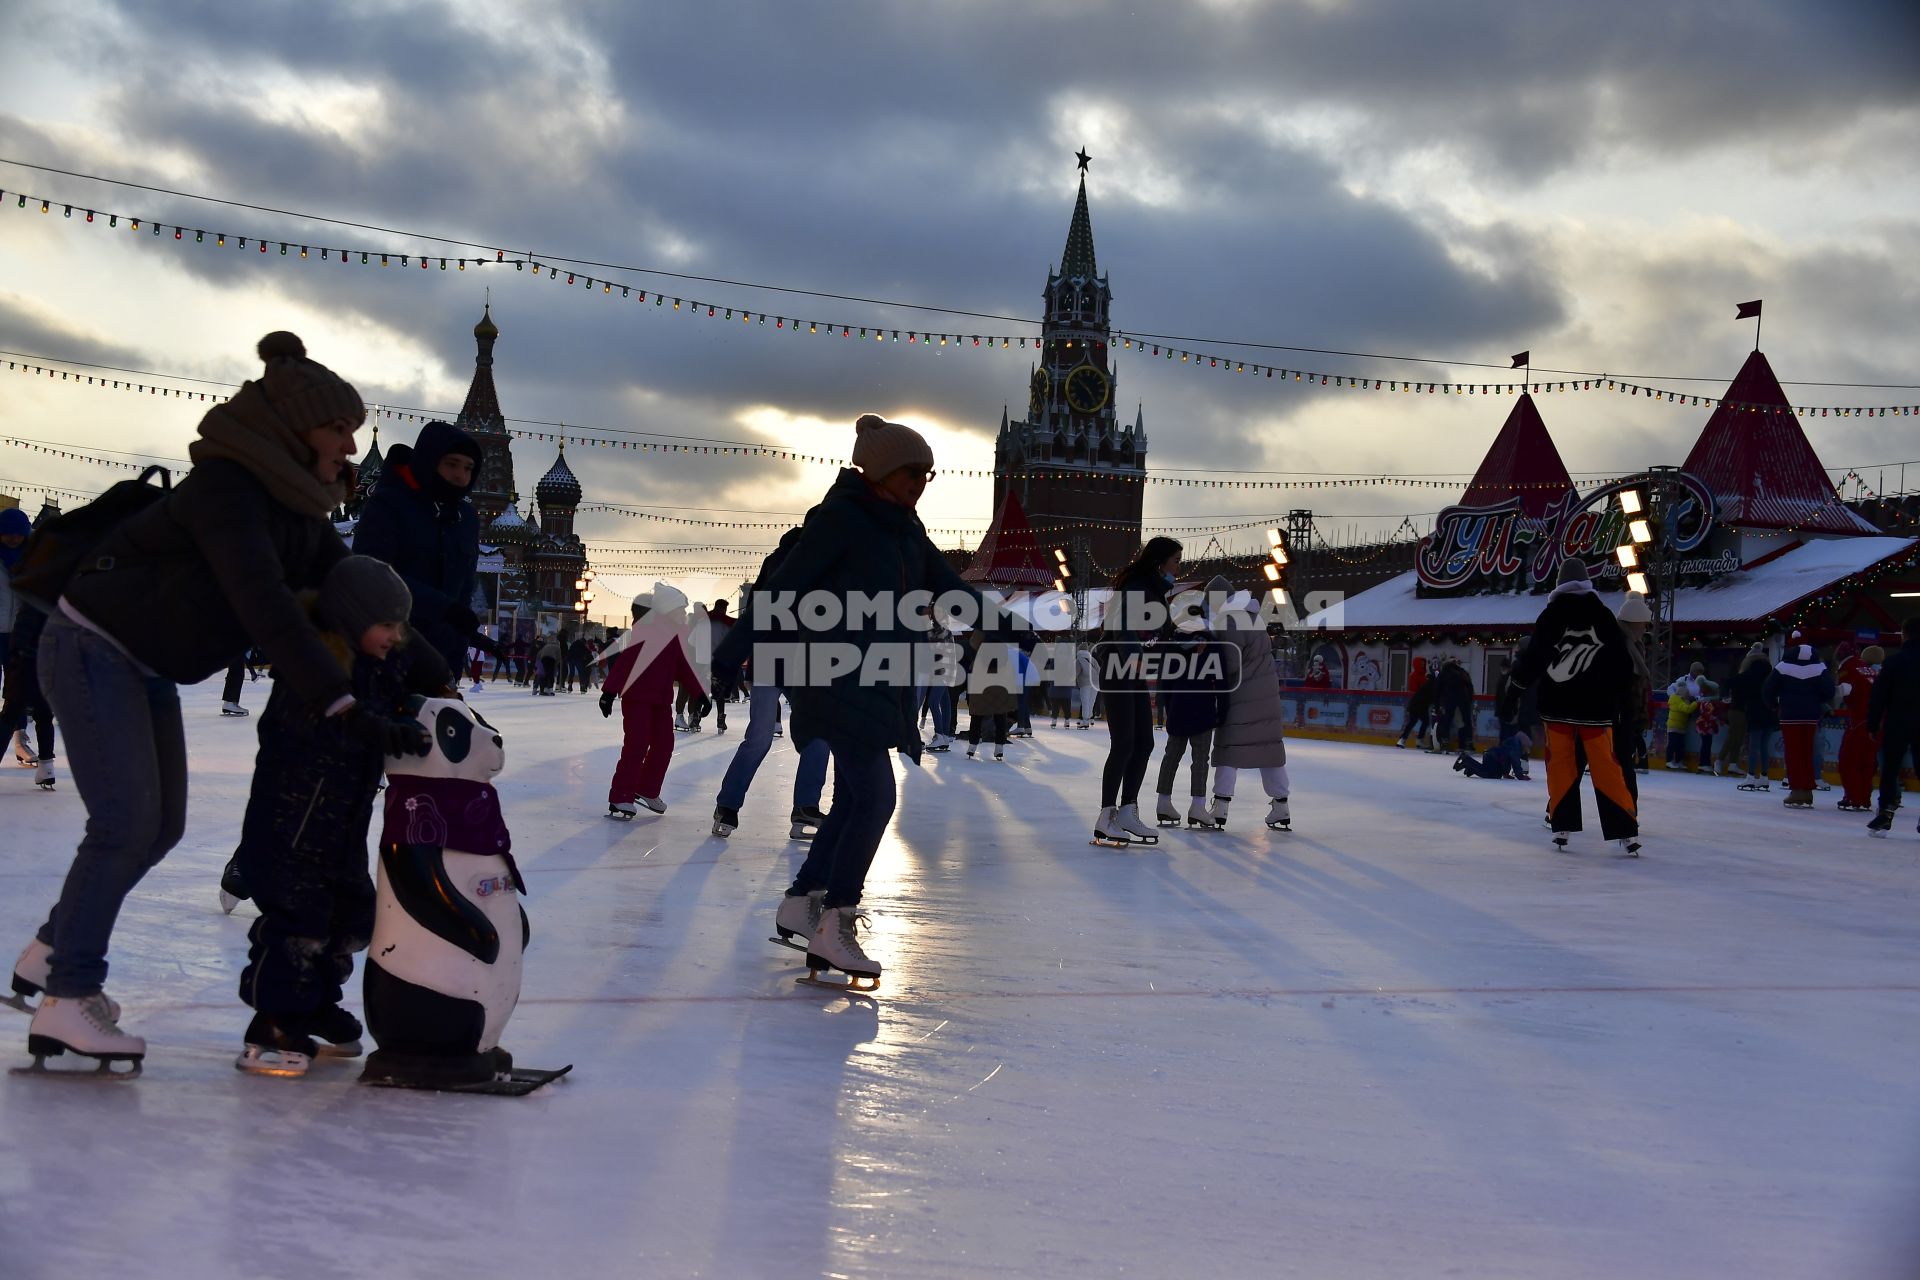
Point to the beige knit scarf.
(246, 430)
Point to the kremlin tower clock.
(1077, 472)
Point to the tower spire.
(1078, 260)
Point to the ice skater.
(303, 842)
(174, 593)
(1859, 747)
(864, 538)
(992, 704)
(1578, 660)
(1195, 711)
(1506, 760)
(651, 662)
(1893, 712)
(1251, 736)
(763, 715)
(1136, 614)
(1799, 692)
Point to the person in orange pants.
(1860, 748)
(1579, 660)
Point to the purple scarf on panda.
(448, 813)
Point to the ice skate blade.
(1280, 826)
(345, 1049)
(788, 941)
(800, 831)
(44, 1047)
(722, 830)
(18, 999)
(282, 1064)
(1112, 842)
(847, 983)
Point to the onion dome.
(510, 528)
(559, 487)
(486, 328)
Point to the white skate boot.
(1164, 812)
(1128, 820)
(1219, 810)
(798, 919)
(233, 709)
(83, 1025)
(622, 810)
(43, 775)
(1106, 829)
(1630, 846)
(1198, 815)
(835, 946)
(1278, 818)
(21, 756)
(30, 973)
(653, 804)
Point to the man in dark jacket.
(1455, 699)
(1894, 714)
(1578, 661)
(418, 519)
(1799, 692)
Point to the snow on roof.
(1744, 596)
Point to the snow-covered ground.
(1409, 1039)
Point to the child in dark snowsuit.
(1195, 708)
(1508, 760)
(303, 843)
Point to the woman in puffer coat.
(1251, 736)
(863, 539)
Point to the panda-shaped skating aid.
(443, 973)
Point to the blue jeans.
(940, 703)
(863, 799)
(763, 710)
(127, 752)
(1758, 740)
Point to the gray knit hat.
(305, 392)
(362, 592)
(1572, 570)
(881, 448)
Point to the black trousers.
(1130, 731)
(1896, 745)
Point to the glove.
(704, 709)
(389, 736)
(606, 704)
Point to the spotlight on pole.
(1272, 571)
(1641, 533)
(1629, 558)
(1630, 502)
(1637, 583)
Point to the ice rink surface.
(1408, 1039)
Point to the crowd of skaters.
(241, 556)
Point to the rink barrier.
(1377, 716)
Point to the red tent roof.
(1760, 466)
(1521, 463)
(1008, 556)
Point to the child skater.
(1250, 737)
(1194, 710)
(1508, 760)
(303, 842)
(652, 659)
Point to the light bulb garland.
(886, 334)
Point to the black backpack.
(65, 544)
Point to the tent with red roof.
(1008, 555)
(1523, 463)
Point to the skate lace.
(850, 922)
(99, 1013)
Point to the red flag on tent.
(1747, 309)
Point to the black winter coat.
(1576, 660)
(1198, 706)
(303, 841)
(1749, 695)
(212, 567)
(1895, 703)
(429, 534)
(852, 541)
(1454, 686)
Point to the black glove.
(606, 703)
(393, 737)
(488, 645)
(703, 708)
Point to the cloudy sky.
(1450, 182)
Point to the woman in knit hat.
(862, 538)
(169, 597)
